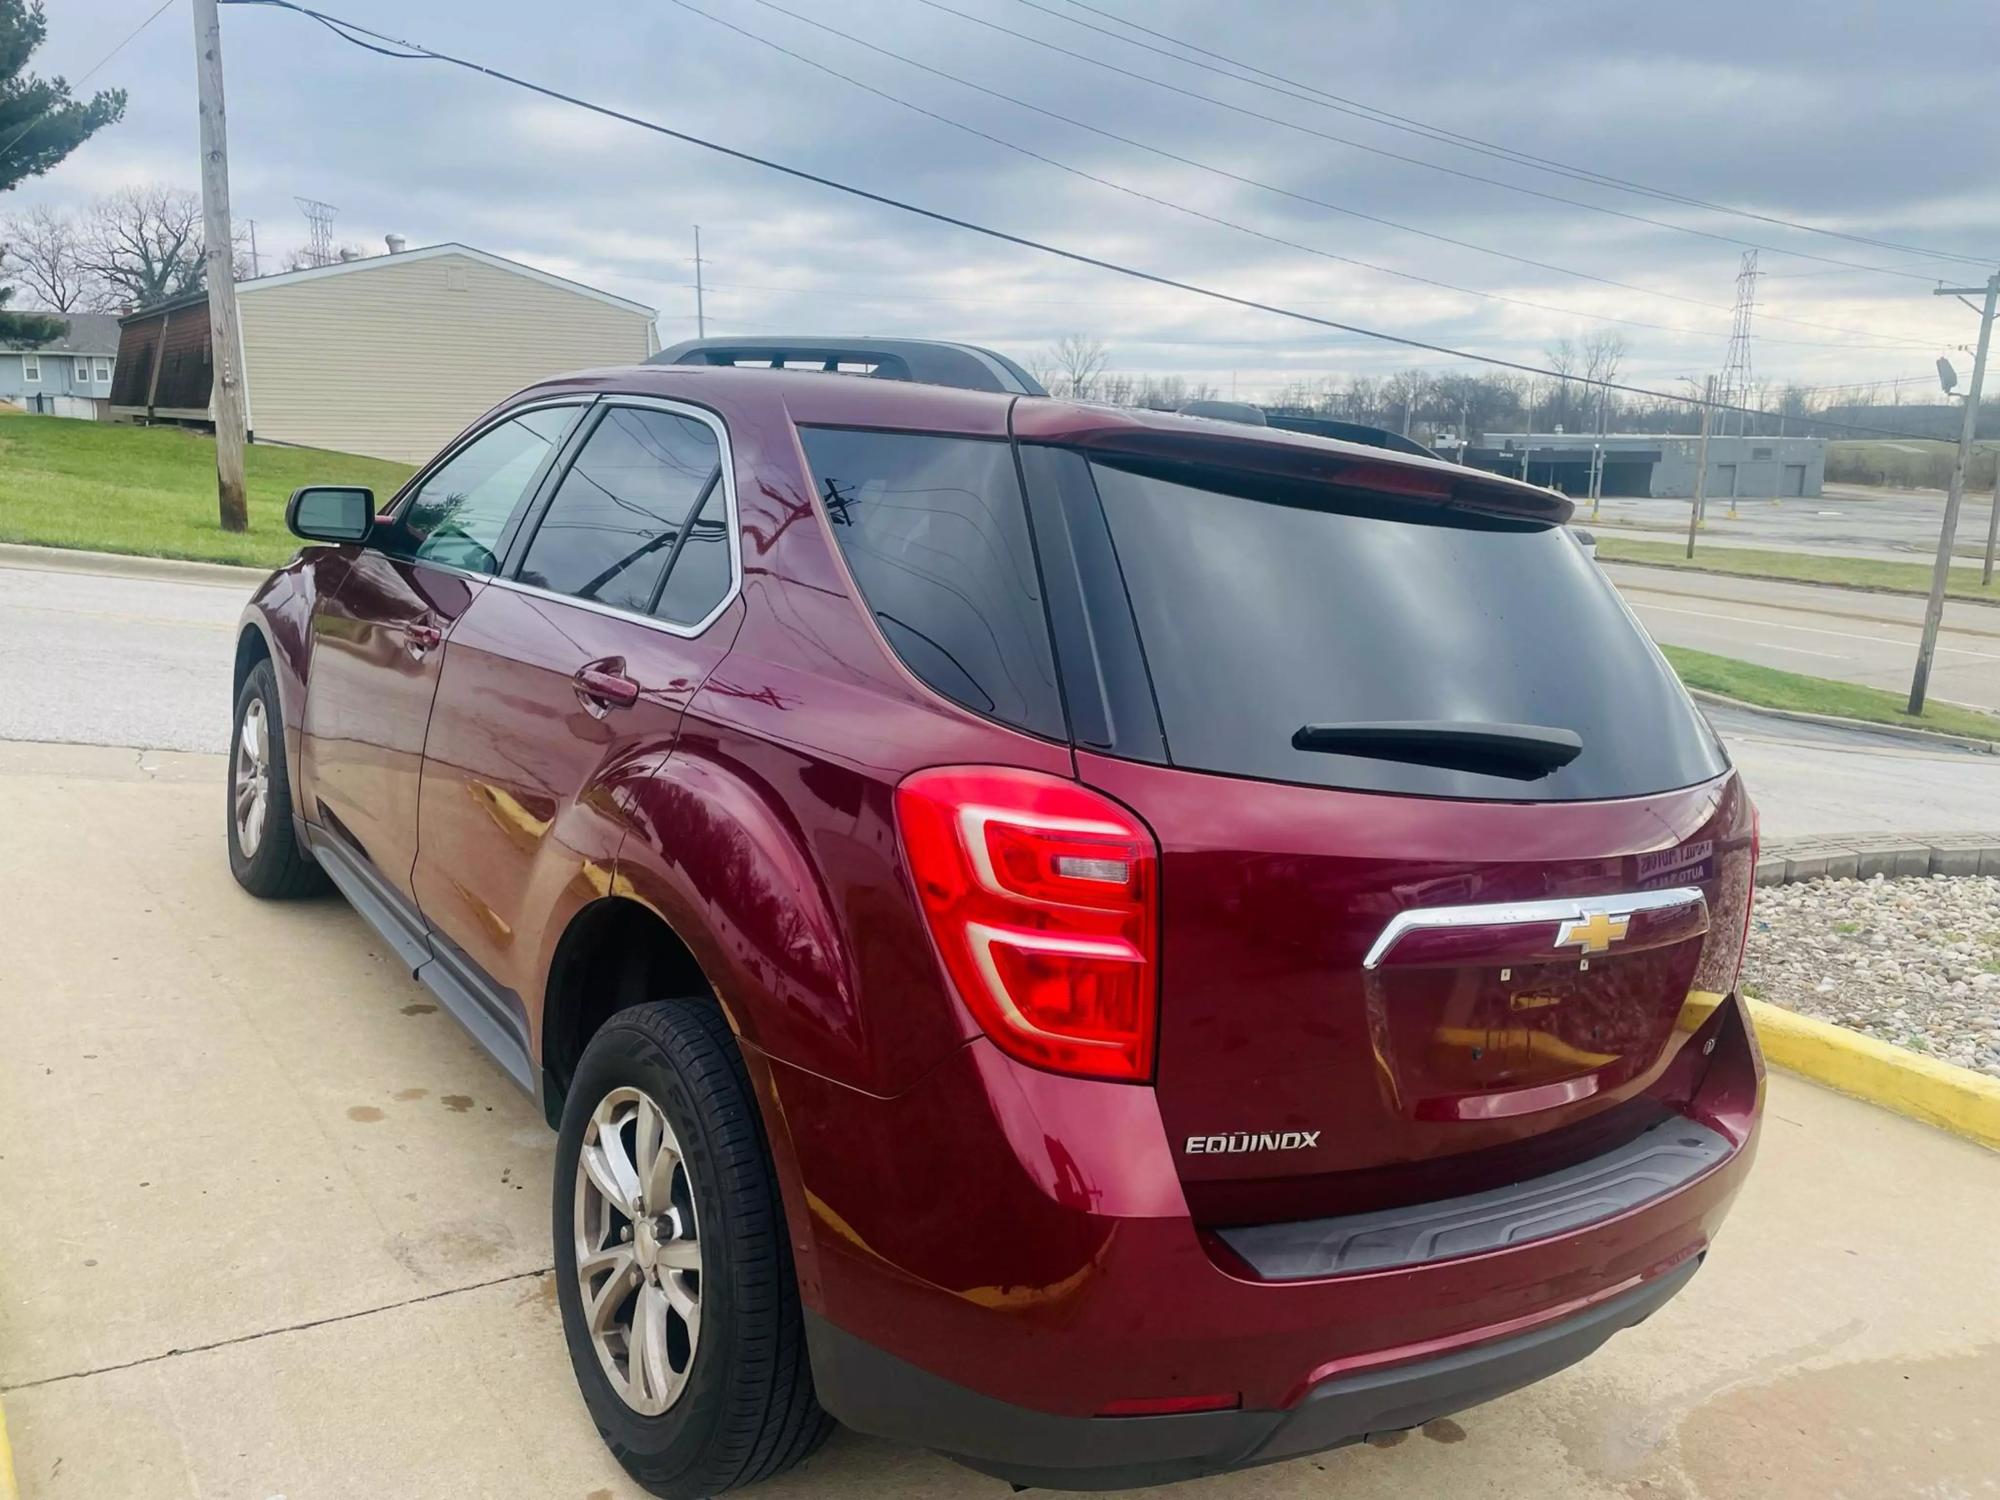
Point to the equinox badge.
(1217, 1145)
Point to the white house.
(388, 356)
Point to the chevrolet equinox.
(1111, 945)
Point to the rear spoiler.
(1276, 454)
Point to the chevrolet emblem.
(1594, 933)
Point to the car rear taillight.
(1043, 898)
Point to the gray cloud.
(1847, 113)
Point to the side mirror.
(330, 513)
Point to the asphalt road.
(99, 660)
(91, 659)
(1846, 635)
(1848, 520)
(270, 1225)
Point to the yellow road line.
(1937, 1093)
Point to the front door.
(378, 641)
(569, 672)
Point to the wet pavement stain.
(418, 1008)
(363, 1114)
(1880, 1428)
(458, 1104)
(408, 1094)
(1388, 1439)
(1444, 1430)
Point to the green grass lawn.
(1771, 688)
(1797, 567)
(150, 491)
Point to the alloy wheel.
(638, 1251)
(252, 777)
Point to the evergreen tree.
(40, 124)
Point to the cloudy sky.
(1872, 119)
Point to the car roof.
(813, 398)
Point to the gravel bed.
(1913, 962)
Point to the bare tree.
(1567, 361)
(1603, 354)
(1075, 363)
(145, 243)
(43, 250)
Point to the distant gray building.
(1661, 464)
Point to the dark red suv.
(1110, 945)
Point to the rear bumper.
(875, 1392)
(997, 1258)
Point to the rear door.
(574, 665)
(1394, 955)
(377, 640)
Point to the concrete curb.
(1898, 731)
(1908, 1083)
(8, 1489)
(1863, 856)
(117, 565)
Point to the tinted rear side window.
(1262, 612)
(936, 534)
(610, 529)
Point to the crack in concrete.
(251, 1338)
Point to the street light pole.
(1941, 572)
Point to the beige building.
(388, 356)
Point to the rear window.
(936, 535)
(1264, 610)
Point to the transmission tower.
(319, 247)
(1736, 374)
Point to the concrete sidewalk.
(271, 1226)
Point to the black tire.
(277, 868)
(748, 1410)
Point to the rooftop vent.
(395, 242)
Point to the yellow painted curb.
(1937, 1093)
(7, 1489)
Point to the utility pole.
(226, 350)
(1701, 463)
(700, 314)
(1992, 526)
(1941, 573)
(256, 262)
(1596, 477)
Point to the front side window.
(459, 514)
(617, 522)
(935, 531)
(31, 369)
(103, 372)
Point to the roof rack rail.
(925, 361)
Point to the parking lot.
(274, 1227)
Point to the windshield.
(1263, 611)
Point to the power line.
(1195, 213)
(1223, 172)
(1344, 105)
(85, 77)
(417, 51)
(1417, 161)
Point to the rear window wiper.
(1520, 751)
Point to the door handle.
(605, 683)
(425, 636)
